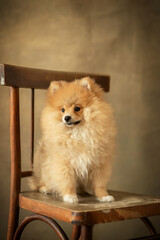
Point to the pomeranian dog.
(77, 145)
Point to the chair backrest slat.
(40, 79)
(26, 174)
(32, 126)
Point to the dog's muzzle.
(73, 123)
(68, 122)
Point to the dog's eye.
(63, 110)
(76, 109)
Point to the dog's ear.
(92, 86)
(54, 86)
(87, 82)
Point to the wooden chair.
(88, 212)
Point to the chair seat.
(89, 210)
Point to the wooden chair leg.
(76, 232)
(15, 162)
(13, 220)
(86, 232)
(149, 225)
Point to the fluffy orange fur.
(77, 145)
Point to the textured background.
(120, 38)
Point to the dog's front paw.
(44, 190)
(70, 198)
(107, 198)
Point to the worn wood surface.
(40, 79)
(89, 210)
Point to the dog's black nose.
(67, 118)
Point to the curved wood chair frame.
(88, 212)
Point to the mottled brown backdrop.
(120, 38)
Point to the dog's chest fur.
(83, 151)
